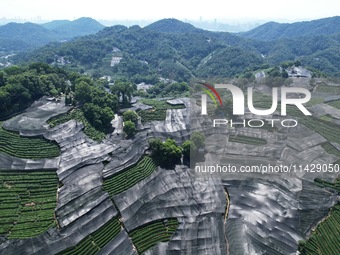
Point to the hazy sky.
(180, 9)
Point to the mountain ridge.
(181, 55)
(172, 26)
(79, 27)
(274, 30)
(54, 23)
(27, 36)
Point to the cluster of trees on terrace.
(130, 123)
(167, 154)
(20, 86)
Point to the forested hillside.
(14, 36)
(68, 29)
(189, 52)
(273, 30)
(20, 86)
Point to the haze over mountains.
(79, 27)
(274, 30)
(176, 49)
(24, 36)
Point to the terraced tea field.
(325, 239)
(97, 240)
(158, 113)
(27, 203)
(327, 129)
(328, 89)
(329, 148)
(26, 147)
(335, 104)
(78, 115)
(247, 140)
(149, 235)
(262, 100)
(130, 176)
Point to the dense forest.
(20, 86)
(190, 52)
(272, 30)
(167, 48)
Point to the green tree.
(274, 72)
(284, 75)
(297, 63)
(225, 110)
(248, 75)
(288, 81)
(274, 81)
(13, 70)
(41, 68)
(68, 100)
(53, 92)
(83, 92)
(189, 148)
(5, 99)
(84, 78)
(98, 96)
(166, 154)
(97, 116)
(107, 116)
(302, 247)
(172, 153)
(130, 115)
(123, 89)
(129, 128)
(198, 139)
(111, 101)
(92, 113)
(156, 147)
(2, 79)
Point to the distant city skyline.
(151, 10)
